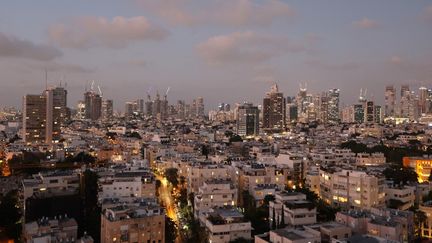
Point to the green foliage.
(92, 211)
(325, 212)
(258, 216)
(393, 155)
(395, 204)
(170, 230)
(235, 138)
(81, 157)
(400, 175)
(172, 176)
(134, 135)
(240, 240)
(10, 215)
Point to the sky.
(223, 50)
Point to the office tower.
(274, 113)
(292, 112)
(390, 101)
(80, 115)
(44, 115)
(378, 114)
(34, 118)
(56, 112)
(369, 112)
(180, 109)
(248, 120)
(107, 109)
(429, 102)
(359, 113)
(93, 105)
(164, 108)
(156, 105)
(423, 97)
(333, 105)
(129, 109)
(319, 108)
(140, 106)
(200, 107)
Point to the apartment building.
(214, 193)
(290, 235)
(142, 221)
(198, 173)
(127, 184)
(402, 197)
(350, 188)
(57, 182)
(45, 230)
(426, 227)
(293, 208)
(226, 224)
(367, 159)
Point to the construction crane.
(166, 93)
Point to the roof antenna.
(46, 79)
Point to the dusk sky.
(224, 50)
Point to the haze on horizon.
(225, 51)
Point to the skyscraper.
(200, 107)
(369, 112)
(248, 120)
(93, 105)
(56, 112)
(333, 106)
(44, 115)
(107, 109)
(423, 97)
(34, 118)
(274, 107)
(390, 101)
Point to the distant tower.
(274, 110)
(390, 101)
(248, 120)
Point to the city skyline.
(227, 57)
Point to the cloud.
(137, 62)
(226, 13)
(86, 32)
(427, 13)
(366, 23)
(333, 66)
(396, 60)
(11, 46)
(245, 47)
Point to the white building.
(226, 224)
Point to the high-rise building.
(369, 112)
(140, 106)
(34, 118)
(390, 101)
(56, 112)
(359, 113)
(107, 109)
(200, 107)
(93, 105)
(248, 120)
(129, 109)
(423, 97)
(378, 114)
(274, 107)
(44, 115)
(333, 106)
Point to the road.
(166, 198)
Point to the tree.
(240, 240)
(172, 176)
(400, 175)
(170, 230)
(395, 204)
(92, 211)
(205, 150)
(274, 219)
(282, 222)
(11, 215)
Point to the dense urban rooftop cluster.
(292, 169)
